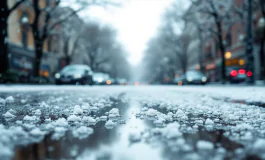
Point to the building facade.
(234, 37)
(21, 41)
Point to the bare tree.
(160, 56)
(98, 42)
(119, 66)
(217, 13)
(182, 53)
(40, 33)
(4, 14)
(192, 19)
(70, 34)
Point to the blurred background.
(132, 41)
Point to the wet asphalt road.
(137, 134)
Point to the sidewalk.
(257, 83)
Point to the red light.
(167, 79)
(233, 73)
(242, 71)
(249, 73)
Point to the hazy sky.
(136, 21)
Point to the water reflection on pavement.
(141, 127)
(103, 144)
(129, 141)
(127, 145)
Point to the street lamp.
(228, 55)
(261, 23)
(241, 37)
(24, 20)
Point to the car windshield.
(71, 69)
(194, 74)
(100, 75)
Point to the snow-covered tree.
(70, 33)
(169, 51)
(119, 66)
(216, 14)
(97, 42)
(160, 57)
(102, 50)
(45, 17)
(41, 32)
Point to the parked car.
(237, 74)
(101, 78)
(179, 80)
(121, 81)
(112, 81)
(74, 74)
(191, 77)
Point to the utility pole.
(249, 44)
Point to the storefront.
(21, 61)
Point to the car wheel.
(58, 83)
(85, 81)
(91, 83)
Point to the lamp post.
(261, 23)
(249, 44)
(24, 27)
(261, 26)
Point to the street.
(132, 122)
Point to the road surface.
(132, 122)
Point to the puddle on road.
(114, 144)
(102, 144)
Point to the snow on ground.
(247, 93)
(82, 132)
(29, 121)
(173, 111)
(200, 108)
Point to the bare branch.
(47, 28)
(239, 12)
(64, 19)
(16, 5)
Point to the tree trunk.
(4, 13)
(68, 60)
(262, 56)
(38, 55)
(201, 54)
(92, 61)
(262, 43)
(222, 49)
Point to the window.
(48, 3)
